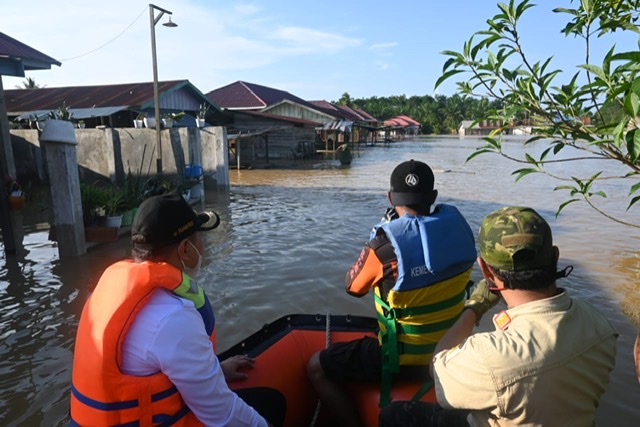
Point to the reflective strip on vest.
(117, 406)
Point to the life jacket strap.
(392, 348)
(425, 388)
(158, 419)
(426, 329)
(401, 313)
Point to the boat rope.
(327, 330)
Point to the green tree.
(610, 93)
(345, 99)
(28, 83)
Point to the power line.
(103, 45)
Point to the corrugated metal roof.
(344, 111)
(78, 113)
(401, 121)
(32, 59)
(249, 96)
(368, 117)
(280, 118)
(409, 119)
(134, 95)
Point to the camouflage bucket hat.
(516, 238)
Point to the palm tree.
(29, 83)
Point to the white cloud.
(381, 46)
(306, 40)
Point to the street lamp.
(156, 97)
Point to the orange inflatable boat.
(278, 385)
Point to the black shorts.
(361, 360)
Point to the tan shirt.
(547, 364)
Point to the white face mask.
(192, 271)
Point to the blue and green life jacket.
(435, 255)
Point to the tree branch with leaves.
(498, 67)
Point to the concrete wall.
(110, 153)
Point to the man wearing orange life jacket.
(144, 350)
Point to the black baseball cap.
(411, 184)
(168, 218)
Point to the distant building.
(336, 124)
(485, 127)
(115, 105)
(399, 126)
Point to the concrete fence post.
(59, 140)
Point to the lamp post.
(153, 19)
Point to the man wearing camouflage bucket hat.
(549, 359)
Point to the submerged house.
(259, 137)
(350, 125)
(310, 123)
(400, 126)
(268, 123)
(482, 127)
(115, 105)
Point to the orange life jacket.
(101, 394)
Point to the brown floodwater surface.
(287, 238)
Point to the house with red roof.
(400, 126)
(336, 124)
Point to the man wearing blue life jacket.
(418, 262)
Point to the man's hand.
(482, 300)
(232, 367)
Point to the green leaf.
(634, 188)
(598, 193)
(530, 159)
(633, 201)
(564, 205)
(635, 86)
(633, 145)
(448, 63)
(492, 142)
(631, 56)
(523, 172)
(478, 152)
(565, 10)
(595, 70)
(631, 104)
(618, 131)
(446, 75)
(564, 187)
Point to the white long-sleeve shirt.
(168, 335)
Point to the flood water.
(287, 238)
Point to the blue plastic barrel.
(193, 171)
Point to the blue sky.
(313, 49)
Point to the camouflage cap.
(516, 238)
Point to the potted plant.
(203, 110)
(134, 190)
(138, 122)
(16, 195)
(81, 124)
(149, 122)
(62, 113)
(94, 197)
(168, 119)
(114, 208)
